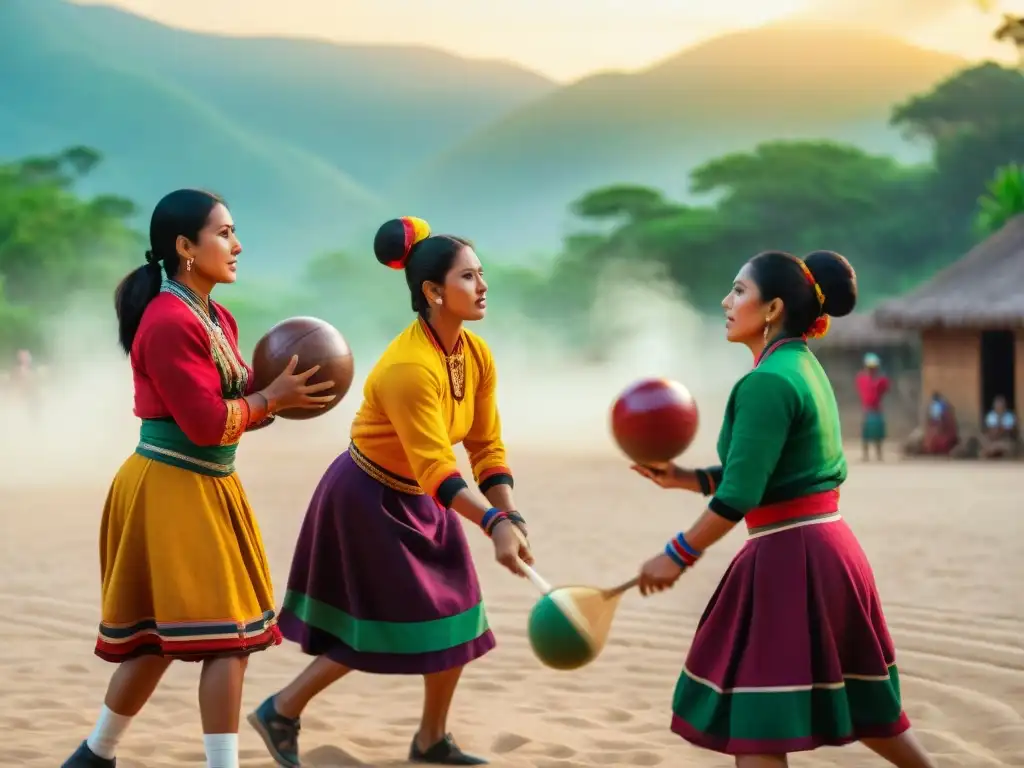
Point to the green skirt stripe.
(797, 712)
(368, 636)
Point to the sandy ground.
(945, 541)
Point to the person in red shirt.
(184, 573)
(872, 386)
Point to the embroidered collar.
(455, 363)
(204, 310)
(775, 345)
(436, 339)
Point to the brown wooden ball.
(316, 343)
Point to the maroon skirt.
(792, 652)
(382, 580)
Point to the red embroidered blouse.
(186, 368)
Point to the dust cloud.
(551, 400)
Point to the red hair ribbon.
(823, 322)
(416, 230)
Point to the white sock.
(221, 750)
(108, 731)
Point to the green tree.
(974, 122)
(1004, 199)
(621, 203)
(796, 196)
(56, 246)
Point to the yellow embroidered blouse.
(419, 402)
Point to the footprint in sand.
(368, 742)
(508, 742)
(617, 716)
(330, 757)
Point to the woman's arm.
(411, 395)
(483, 441)
(485, 446)
(764, 407)
(175, 356)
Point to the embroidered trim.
(236, 422)
(381, 475)
(211, 465)
(455, 363)
(234, 376)
(786, 525)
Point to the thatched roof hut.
(984, 289)
(970, 318)
(860, 331)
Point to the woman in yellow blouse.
(382, 580)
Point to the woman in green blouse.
(792, 652)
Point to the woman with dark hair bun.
(382, 580)
(184, 574)
(792, 652)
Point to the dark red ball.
(316, 342)
(654, 420)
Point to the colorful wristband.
(491, 518)
(681, 553)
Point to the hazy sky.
(569, 38)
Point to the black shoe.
(84, 757)
(279, 733)
(445, 752)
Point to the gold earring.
(188, 265)
(767, 326)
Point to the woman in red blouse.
(184, 574)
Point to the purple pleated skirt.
(382, 581)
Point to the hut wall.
(951, 364)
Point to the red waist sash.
(823, 503)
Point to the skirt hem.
(420, 664)
(728, 745)
(199, 651)
(314, 642)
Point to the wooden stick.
(542, 586)
(624, 587)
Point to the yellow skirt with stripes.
(184, 572)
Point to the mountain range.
(313, 143)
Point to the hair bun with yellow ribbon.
(396, 238)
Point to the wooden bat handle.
(615, 591)
(542, 586)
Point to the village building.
(970, 321)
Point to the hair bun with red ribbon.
(820, 327)
(396, 238)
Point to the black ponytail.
(133, 294)
(180, 214)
